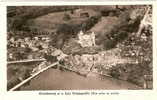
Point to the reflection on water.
(55, 79)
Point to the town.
(89, 47)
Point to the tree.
(66, 17)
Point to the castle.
(86, 40)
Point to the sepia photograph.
(93, 47)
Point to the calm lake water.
(55, 79)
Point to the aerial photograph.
(79, 47)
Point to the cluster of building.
(22, 46)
